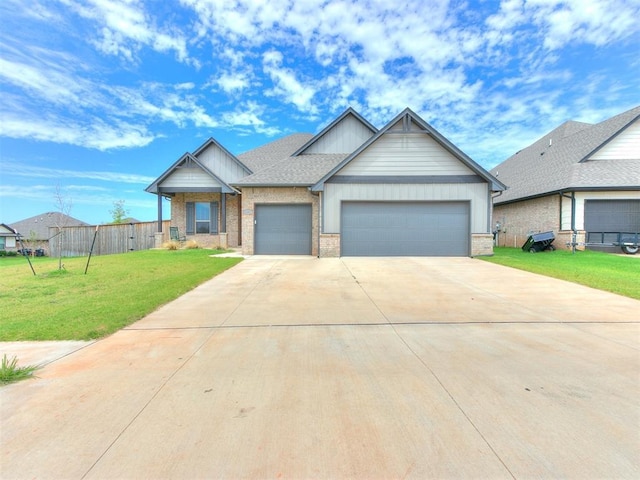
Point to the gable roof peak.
(349, 111)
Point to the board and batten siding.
(345, 137)
(405, 154)
(335, 193)
(222, 164)
(625, 146)
(189, 177)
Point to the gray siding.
(189, 178)
(221, 164)
(405, 154)
(345, 137)
(476, 193)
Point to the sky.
(99, 97)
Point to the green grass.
(116, 291)
(10, 371)
(604, 271)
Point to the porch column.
(223, 213)
(159, 212)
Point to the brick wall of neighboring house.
(520, 219)
(253, 195)
(179, 219)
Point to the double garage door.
(369, 229)
(405, 229)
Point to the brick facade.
(258, 195)
(179, 219)
(481, 244)
(329, 245)
(518, 220)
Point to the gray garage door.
(283, 229)
(612, 215)
(405, 229)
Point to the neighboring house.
(579, 178)
(35, 230)
(350, 190)
(8, 238)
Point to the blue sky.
(99, 97)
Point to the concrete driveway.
(345, 368)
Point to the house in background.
(35, 230)
(579, 177)
(8, 241)
(349, 190)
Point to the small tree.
(63, 206)
(119, 213)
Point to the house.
(350, 190)
(580, 178)
(8, 236)
(35, 230)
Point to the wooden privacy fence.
(120, 238)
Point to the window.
(202, 217)
(2, 244)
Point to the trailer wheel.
(630, 250)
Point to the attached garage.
(405, 229)
(283, 229)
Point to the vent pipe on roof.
(550, 141)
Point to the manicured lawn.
(604, 271)
(116, 291)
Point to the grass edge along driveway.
(116, 291)
(618, 274)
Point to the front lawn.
(604, 271)
(116, 291)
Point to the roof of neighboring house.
(7, 231)
(40, 224)
(559, 161)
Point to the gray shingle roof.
(40, 224)
(273, 152)
(303, 170)
(555, 162)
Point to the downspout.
(490, 216)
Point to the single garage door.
(612, 215)
(604, 219)
(282, 229)
(405, 229)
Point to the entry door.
(282, 229)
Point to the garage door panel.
(405, 229)
(283, 229)
(612, 215)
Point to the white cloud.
(287, 85)
(125, 27)
(16, 169)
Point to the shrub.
(3, 253)
(192, 244)
(12, 254)
(171, 245)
